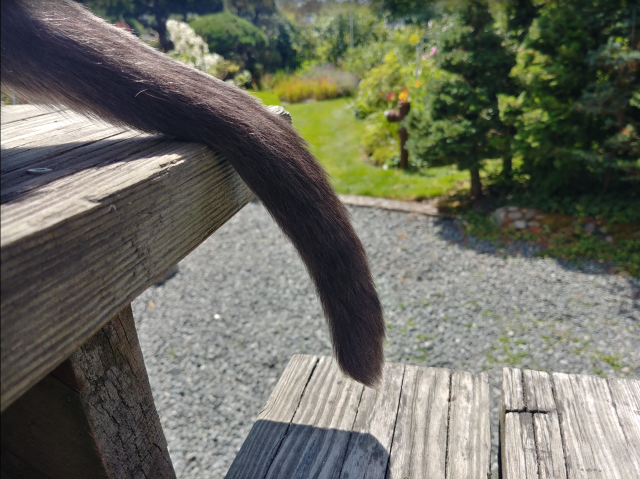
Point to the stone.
(533, 223)
(498, 216)
(528, 214)
(512, 208)
(589, 228)
(520, 224)
(515, 215)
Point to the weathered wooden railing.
(92, 215)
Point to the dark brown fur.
(55, 52)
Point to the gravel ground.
(217, 336)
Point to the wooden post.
(93, 416)
(396, 116)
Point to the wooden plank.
(79, 248)
(12, 467)
(17, 159)
(419, 446)
(593, 440)
(116, 396)
(469, 442)
(549, 452)
(93, 416)
(71, 160)
(537, 391)
(512, 396)
(15, 113)
(519, 459)
(318, 436)
(266, 435)
(625, 394)
(368, 453)
(47, 431)
(23, 133)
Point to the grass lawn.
(334, 132)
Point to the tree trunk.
(404, 154)
(476, 184)
(507, 167)
(165, 43)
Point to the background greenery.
(528, 102)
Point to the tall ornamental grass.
(295, 89)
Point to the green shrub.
(402, 42)
(380, 140)
(379, 89)
(577, 126)
(331, 31)
(232, 37)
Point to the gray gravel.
(217, 336)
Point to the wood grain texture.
(594, 441)
(266, 435)
(45, 433)
(419, 449)
(319, 424)
(319, 434)
(469, 442)
(11, 114)
(519, 458)
(625, 394)
(80, 243)
(550, 455)
(512, 395)
(537, 391)
(368, 453)
(116, 396)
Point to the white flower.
(193, 50)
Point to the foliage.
(346, 82)
(232, 37)
(151, 14)
(378, 91)
(330, 31)
(454, 115)
(193, 50)
(402, 41)
(295, 89)
(380, 140)
(410, 11)
(564, 238)
(577, 126)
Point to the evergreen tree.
(454, 116)
(577, 126)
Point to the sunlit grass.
(334, 132)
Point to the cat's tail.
(59, 53)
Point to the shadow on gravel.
(452, 232)
(279, 449)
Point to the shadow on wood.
(92, 417)
(421, 422)
(296, 450)
(81, 241)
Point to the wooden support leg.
(92, 417)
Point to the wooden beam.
(93, 416)
(572, 426)
(81, 241)
(420, 423)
